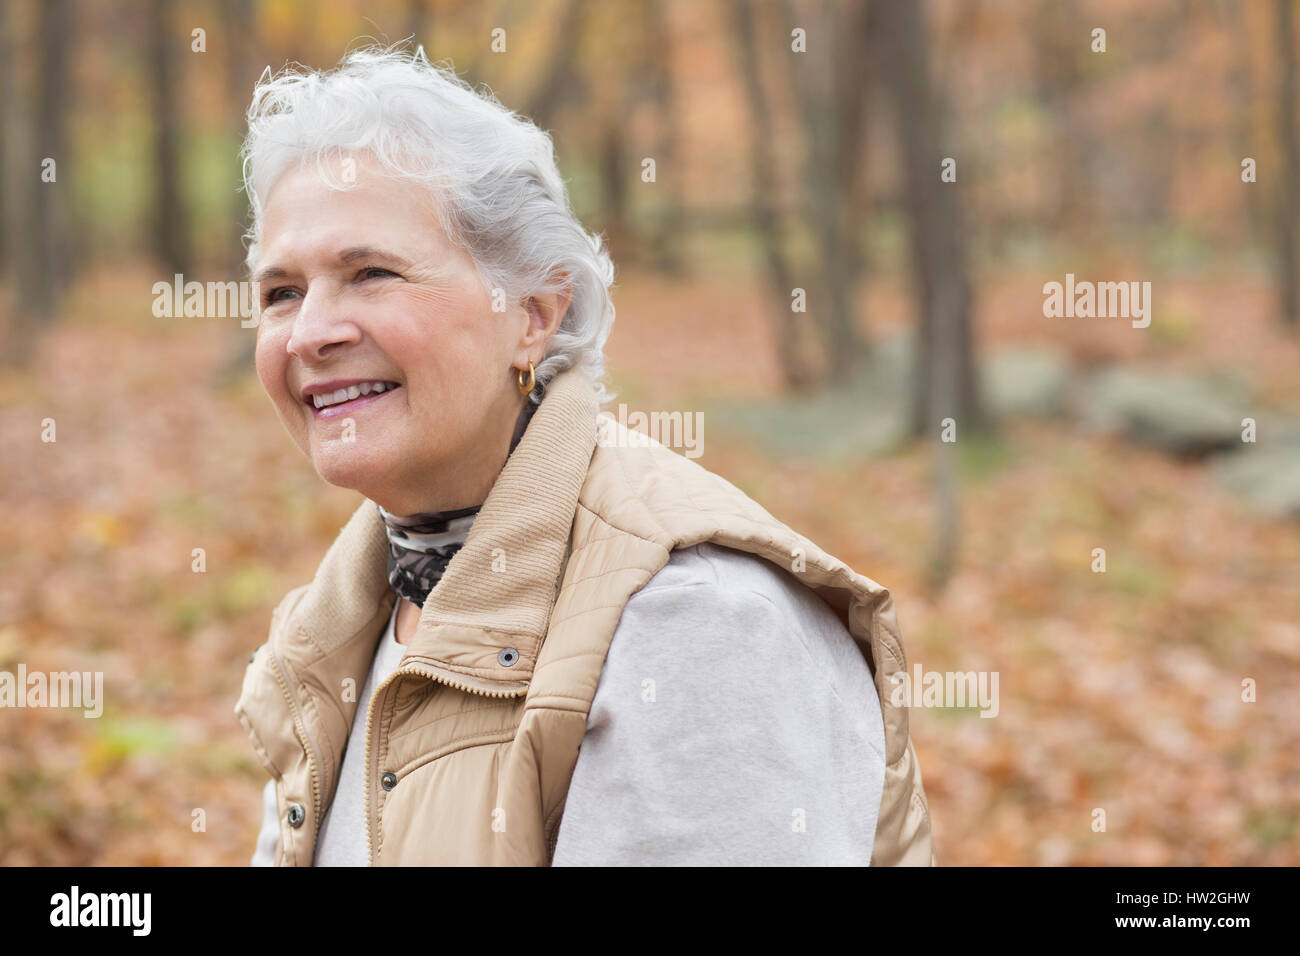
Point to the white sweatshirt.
(735, 723)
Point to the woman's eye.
(274, 294)
(365, 273)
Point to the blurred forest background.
(919, 171)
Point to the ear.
(545, 313)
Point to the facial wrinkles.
(438, 294)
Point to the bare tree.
(945, 393)
(562, 69)
(765, 210)
(828, 84)
(37, 172)
(1289, 206)
(11, 121)
(420, 25)
(1233, 17)
(8, 131)
(171, 224)
(614, 162)
(240, 42)
(657, 45)
(945, 385)
(1056, 71)
(52, 207)
(20, 187)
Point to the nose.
(321, 326)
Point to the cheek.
(269, 359)
(454, 339)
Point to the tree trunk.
(52, 204)
(1240, 89)
(945, 384)
(241, 76)
(830, 100)
(171, 224)
(613, 177)
(7, 131)
(19, 189)
(667, 230)
(419, 25)
(560, 72)
(1289, 206)
(767, 217)
(1056, 76)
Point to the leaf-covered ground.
(1119, 691)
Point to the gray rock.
(865, 417)
(1265, 474)
(1180, 413)
(1026, 381)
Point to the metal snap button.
(296, 815)
(508, 657)
(388, 781)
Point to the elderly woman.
(538, 640)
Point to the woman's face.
(363, 298)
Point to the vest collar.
(482, 626)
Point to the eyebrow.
(346, 256)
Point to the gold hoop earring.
(525, 388)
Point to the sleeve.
(269, 836)
(735, 723)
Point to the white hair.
(491, 173)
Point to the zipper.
(300, 727)
(375, 699)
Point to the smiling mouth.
(351, 393)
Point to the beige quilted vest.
(472, 742)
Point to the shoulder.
(285, 608)
(733, 705)
(717, 582)
(721, 580)
(644, 488)
(717, 616)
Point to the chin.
(347, 469)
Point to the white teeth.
(349, 393)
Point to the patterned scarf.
(420, 546)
